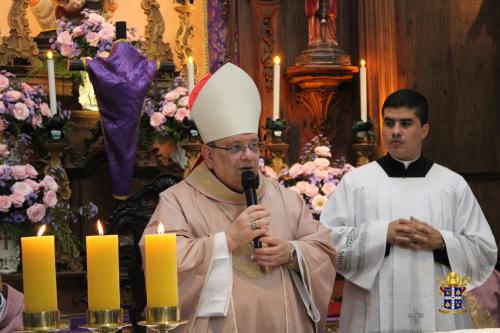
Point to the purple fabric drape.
(121, 83)
(217, 30)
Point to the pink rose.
(78, 31)
(29, 102)
(33, 184)
(5, 203)
(181, 91)
(67, 51)
(19, 171)
(184, 101)
(64, 38)
(294, 188)
(13, 95)
(323, 151)
(21, 188)
(311, 190)
(308, 168)
(36, 121)
(319, 202)
(107, 32)
(4, 82)
(49, 183)
(26, 87)
(36, 212)
(50, 199)
(30, 171)
(45, 110)
(172, 96)
(302, 186)
(21, 111)
(295, 170)
(181, 114)
(17, 199)
(328, 188)
(92, 38)
(2, 110)
(322, 163)
(321, 173)
(270, 172)
(157, 119)
(96, 18)
(169, 109)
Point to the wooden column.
(377, 36)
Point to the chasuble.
(244, 298)
(394, 289)
(11, 317)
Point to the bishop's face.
(229, 157)
(403, 133)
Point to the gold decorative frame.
(19, 43)
(155, 47)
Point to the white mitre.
(226, 103)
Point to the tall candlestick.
(103, 276)
(190, 74)
(276, 88)
(39, 273)
(362, 90)
(52, 83)
(161, 270)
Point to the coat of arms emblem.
(453, 289)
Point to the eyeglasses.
(237, 148)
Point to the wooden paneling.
(449, 51)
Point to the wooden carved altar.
(319, 102)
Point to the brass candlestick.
(162, 319)
(105, 321)
(42, 321)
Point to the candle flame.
(190, 59)
(41, 230)
(99, 227)
(362, 63)
(160, 229)
(49, 55)
(277, 60)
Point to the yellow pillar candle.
(161, 270)
(103, 276)
(39, 273)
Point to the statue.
(46, 12)
(313, 13)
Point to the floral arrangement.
(25, 115)
(93, 36)
(27, 202)
(166, 116)
(315, 176)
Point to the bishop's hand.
(251, 223)
(275, 253)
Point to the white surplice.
(400, 292)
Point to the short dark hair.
(411, 99)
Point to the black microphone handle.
(251, 197)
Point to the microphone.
(250, 183)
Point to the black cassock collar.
(394, 168)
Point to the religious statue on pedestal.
(323, 48)
(312, 10)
